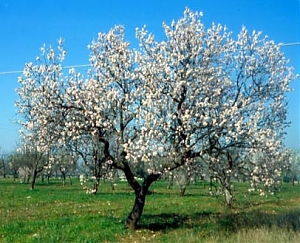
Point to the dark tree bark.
(3, 168)
(139, 203)
(34, 176)
(137, 210)
(182, 191)
(63, 177)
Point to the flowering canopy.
(206, 92)
(198, 93)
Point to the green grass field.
(53, 213)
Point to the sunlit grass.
(53, 213)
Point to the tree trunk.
(182, 191)
(137, 210)
(228, 197)
(112, 185)
(140, 198)
(4, 171)
(171, 180)
(34, 176)
(63, 178)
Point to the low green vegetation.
(56, 213)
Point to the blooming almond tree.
(31, 163)
(90, 150)
(292, 170)
(199, 93)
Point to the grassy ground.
(53, 213)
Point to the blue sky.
(26, 25)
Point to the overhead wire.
(88, 65)
(290, 44)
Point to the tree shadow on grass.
(164, 221)
(256, 219)
(232, 222)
